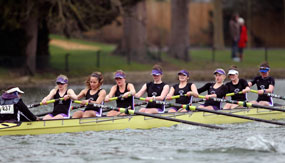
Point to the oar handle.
(116, 98)
(178, 96)
(254, 91)
(79, 102)
(201, 96)
(232, 94)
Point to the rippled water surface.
(249, 142)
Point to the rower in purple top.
(265, 84)
(182, 88)
(125, 91)
(156, 90)
(215, 90)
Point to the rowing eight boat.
(131, 122)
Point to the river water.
(248, 142)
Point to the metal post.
(213, 53)
(66, 62)
(266, 55)
(128, 57)
(98, 58)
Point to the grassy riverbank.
(82, 59)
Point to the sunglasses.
(59, 83)
(264, 68)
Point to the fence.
(84, 63)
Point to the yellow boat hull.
(130, 122)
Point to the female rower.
(125, 92)
(93, 94)
(185, 89)
(61, 108)
(237, 86)
(215, 90)
(156, 90)
(265, 84)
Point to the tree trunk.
(134, 40)
(179, 34)
(248, 24)
(218, 42)
(42, 54)
(31, 28)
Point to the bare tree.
(179, 34)
(134, 41)
(218, 41)
(31, 28)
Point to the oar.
(232, 94)
(80, 102)
(132, 112)
(194, 108)
(270, 94)
(73, 108)
(178, 96)
(48, 102)
(248, 104)
(116, 98)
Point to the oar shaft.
(248, 104)
(240, 116)
(132, 112)
(178, 120)
(241, 103)
(48, 102)
(269, 94)
(193, 108)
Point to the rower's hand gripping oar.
(269, 94)
(232, 94)
(132, 112)
(48, 102)
(116, 98)
(240, 103)
(194, 108)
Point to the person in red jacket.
(243, 37)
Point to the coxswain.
(12, 107)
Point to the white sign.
(6, 109)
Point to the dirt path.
(68, 45)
